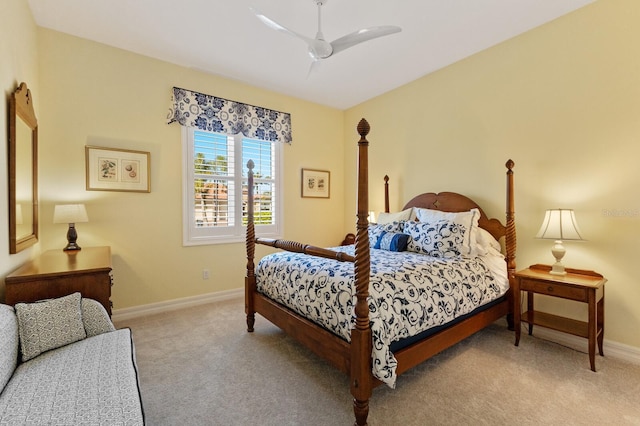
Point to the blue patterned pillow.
(469, 219)
(442, 238)
(392, 241)
(375, 230)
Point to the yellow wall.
(92, 94)
(18, 63)
(563, 101)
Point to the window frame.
(195, 236)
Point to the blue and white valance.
(207, 112)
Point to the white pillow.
(393, 217)
(484, 240)
(468, 219)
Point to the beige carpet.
(199, 366)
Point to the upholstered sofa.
(62, 362)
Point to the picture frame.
(114, 169)
(316, 183)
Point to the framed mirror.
(23, 171)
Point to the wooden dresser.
(57, 273)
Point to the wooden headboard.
(453, 202)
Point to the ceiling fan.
(319, 48)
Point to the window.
(215, 187)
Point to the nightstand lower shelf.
(555, 322)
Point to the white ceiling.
(223, 37)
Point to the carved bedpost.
(386, 193)
(510, 238)
(361, 378)
(250, 279)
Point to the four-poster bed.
(358, 353)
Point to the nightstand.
(579, 285)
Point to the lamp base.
(558, 252)
(72, 236)
(557, 269)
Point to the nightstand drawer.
(557, 290)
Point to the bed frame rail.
(296, 247)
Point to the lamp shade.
(70, 213)
(559, 224)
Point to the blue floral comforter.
(408, 293)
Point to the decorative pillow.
(95, 318)
(375, 230)
(49, 324)
(468, 219)
(442, 239)
(8, 344)
(392, 241)
(384, 218)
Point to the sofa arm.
(95, 318)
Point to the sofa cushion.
(8, 344)
(91, 382)
(49, 324)
(95, 318)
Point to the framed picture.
(111, 169)
(315, 183)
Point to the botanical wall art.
(315, 183)
(111, 169)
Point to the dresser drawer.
(557, 290)
(57, 273)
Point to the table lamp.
(558, 225)
(71, 214)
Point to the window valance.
(214, 114)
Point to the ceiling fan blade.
(313, 68)
(360, 36)
(275, 26)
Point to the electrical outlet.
(205, 274)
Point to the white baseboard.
(613, 349)
(169, 305)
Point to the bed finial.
(386, 193)
(510, 164)
(363, 128)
